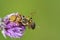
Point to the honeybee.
(28, 22)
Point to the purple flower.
(15, 32)
(12, 29)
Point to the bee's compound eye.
(33, 25)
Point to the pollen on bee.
(13, 18)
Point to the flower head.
(13, 25)
(13, 29)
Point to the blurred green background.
(45, 13)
